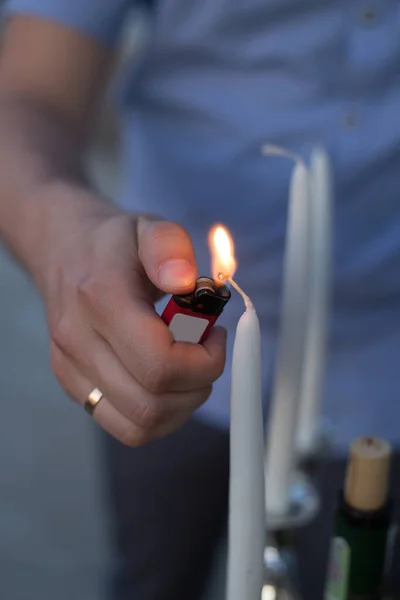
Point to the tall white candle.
(288, 369)
(318, 307)
(246, 484)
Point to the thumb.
(166, 253)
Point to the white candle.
(283, 413)
(318, 306)
(246, 484)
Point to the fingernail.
(176, 273)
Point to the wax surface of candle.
(318, 305)
(246, 487)
(288, 370)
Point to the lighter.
(190, 317)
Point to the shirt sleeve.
(100, 19)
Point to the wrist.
(54, 217)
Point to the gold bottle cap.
(367, 476)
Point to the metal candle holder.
(281, 579)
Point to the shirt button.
(350, 121)
(368, 16)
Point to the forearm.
(40, 166)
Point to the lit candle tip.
(248, 303)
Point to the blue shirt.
(215, 81)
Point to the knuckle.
(147, 414)
(133, 437)
(58, 367)
(206, 392)
(156, 379)
(200, 397)
(219, 367)
(56, 362)
(62, 335)
(89, 290)
(152, 415)
(96, 293)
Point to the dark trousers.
(169, 504)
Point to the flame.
(223, 263)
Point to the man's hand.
(103, 273)
(98, 269)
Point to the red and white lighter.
(190, 317)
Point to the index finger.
(145, 346)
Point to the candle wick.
(248, 303)
(272, 150)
